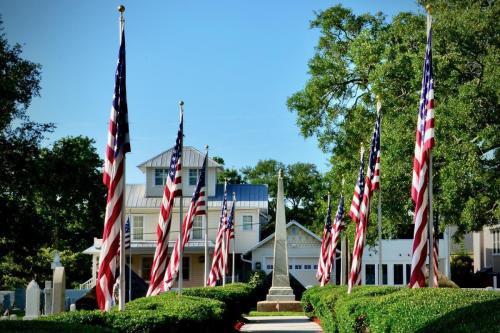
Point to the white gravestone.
(47, 291)
(32, 301)
(58, 290)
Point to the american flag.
(435, 260)
(127, 234)
(196, 207)
(114, 179)
(423, 146)
(325, 244)
(338, 226)
(371, 183)
(229, 234)
(358, 189)
(173, 189)
(218, 264)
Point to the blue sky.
(234, 63)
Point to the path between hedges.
(280, 324)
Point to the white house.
(396, 262)
(143, 207)
(486, 245)
(304, 248)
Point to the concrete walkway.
(280, 324)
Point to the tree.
(50, 198)
(231, 175)
(304, 189)
(361, 56)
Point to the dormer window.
(193, 176)
(160, 176)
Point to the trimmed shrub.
(38, 326)
(238, 297)
(391, 309)
(166, 313)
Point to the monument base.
(276, 306)
(278, 294)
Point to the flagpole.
(181, 258)
(430, 223)
(121, 301)
(129, 260)
(379, 206)
(224, 254)
(234, 235)
(206, 221)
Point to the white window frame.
(495, 234)
(164, 175)
(201, 228)
(193, 176)
(245, 226)
(133, 233)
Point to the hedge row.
(391, 309)
(196, 310)
(37, 326)
(169, 313)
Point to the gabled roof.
(289, 224)
(191, 158)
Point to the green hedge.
(37, 326)
(391, 309)
(166, 313)
(238, 298)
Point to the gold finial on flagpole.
(121, 8)
(428, 7)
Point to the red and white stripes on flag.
(114, 179)
(196, 207)
(229, 234)
(326, 242)
(435, 260)
(423, 147)
(371, 183)
(338, 227)
(218, 264)
(357, 197)
(173, 189)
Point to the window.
(185, 269)
(384, 273)
(138, 228)
(147, 263)
(197, 230)
(247, 222)
(269, 266)
(193, 176)
(290, 267)
(370, 274)
(408, 272)
(496, 241)
(315, 266)
(307, 267)
(294, 230)
(160, 176)
(298, 266)
(398, 274)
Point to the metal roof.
(247, 196)
(244, 192)
(191, 158)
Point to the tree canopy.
(360, 56)
(51, 198)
